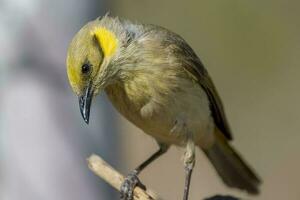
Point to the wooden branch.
(114, 178)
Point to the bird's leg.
(132, 180)
(189, 163)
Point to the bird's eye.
(85, 68)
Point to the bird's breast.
(155, 101)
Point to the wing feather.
(192, 64)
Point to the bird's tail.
(230, 166)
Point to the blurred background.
(250, 48)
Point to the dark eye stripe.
(85, 68)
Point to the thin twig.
(114, 178)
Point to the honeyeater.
(157, 82)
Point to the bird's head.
(89, 61)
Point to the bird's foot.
(131, 181)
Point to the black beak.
(85, 102)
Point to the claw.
(131, 181)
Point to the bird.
(157, 82)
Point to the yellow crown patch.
(107, 40)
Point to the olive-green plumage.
(155, 80)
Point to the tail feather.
(230, 166)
